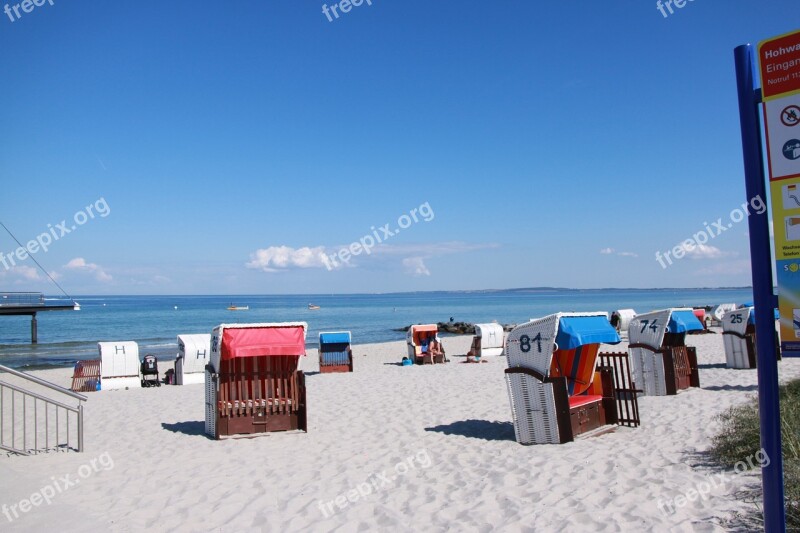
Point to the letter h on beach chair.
(739, 335)
(335, 353)
(424, 345)
(556, 390)
(252, 381)
(661, 361)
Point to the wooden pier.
(28, 304)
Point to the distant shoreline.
(455, 291)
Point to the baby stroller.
(150, 371)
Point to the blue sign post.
(761, 259)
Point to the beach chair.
(704, 319)
(193, 356)
(718, 311)
(424, 345)
(621, 318)
(335, 353)
(739, 335)
(86, 376)
(119, 365)
(556, 390)
(662, 363)
(253, 384)
(488, 341)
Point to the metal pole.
(763, 296)
(34, 332)
(80, 428)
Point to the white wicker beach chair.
(658, 368)
(489, 340)
(193, 356)
(621, 319)
(119, 365)
(543, 409)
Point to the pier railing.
(21, 298)
(31, 422)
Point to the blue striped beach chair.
(335, 353)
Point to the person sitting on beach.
(436, 349)
(424, 343)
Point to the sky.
(262, 146)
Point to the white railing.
(31, 422)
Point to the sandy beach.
(388, 448)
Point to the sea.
(155, 321)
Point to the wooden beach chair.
(193, 356)
(662, 363)
(86, 376)
(335, 352)
(556, 390)
(488, 341)
(119, 365)
(253, 384)
(424, 345)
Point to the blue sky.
(237, 145)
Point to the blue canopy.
(683, 321)
(575, 331)
(340, 337)
(752, 319)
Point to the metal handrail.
(44, 383)
(26, 394)
(40, 397)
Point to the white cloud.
(79, 264)
(21, 273)
(279, 258)
(704, 251)
(610, 251)
(416, 266)
(26, 272)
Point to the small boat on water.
(238, 307)
(312, 307)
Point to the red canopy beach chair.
(252, 381)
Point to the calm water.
(155, 321)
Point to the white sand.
(466, 473)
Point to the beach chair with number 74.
(662, 363)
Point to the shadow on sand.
(194, 428)
(478, 429)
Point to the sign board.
(779, 64)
